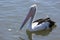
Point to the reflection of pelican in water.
(40, 24)
(41, 32)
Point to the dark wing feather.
(41, 20)
(46, 19)
(37, 20)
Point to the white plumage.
(42, 26)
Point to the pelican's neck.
(30, 22)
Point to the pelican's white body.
(34, 27)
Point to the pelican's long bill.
(30, 14)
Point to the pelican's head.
(30, 14)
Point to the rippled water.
(13, 12)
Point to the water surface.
(13, 12)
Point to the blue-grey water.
(13, 12)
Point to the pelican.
(40, 24)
